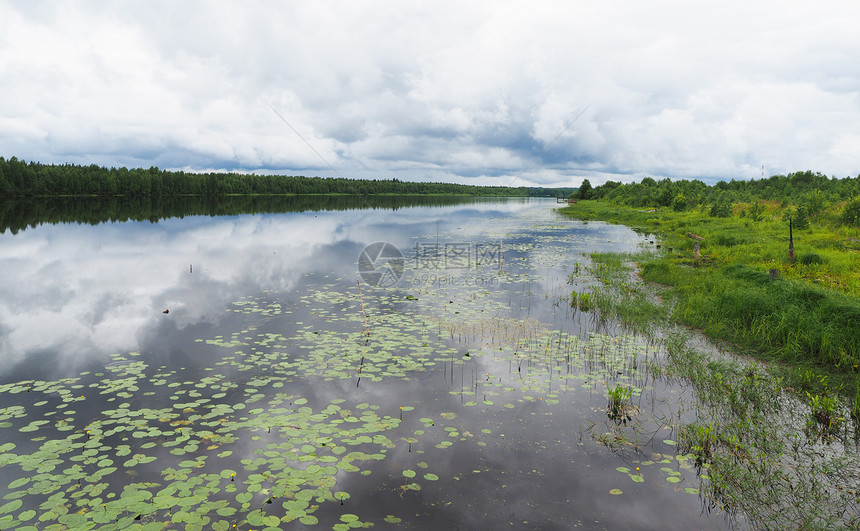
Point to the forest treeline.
(805, 193)
(33, 179)
(20, 214)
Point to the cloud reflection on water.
(71, 293)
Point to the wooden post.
(696, 253)
(774, 273)
(790, 242)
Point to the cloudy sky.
(509, 93)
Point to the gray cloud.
(449, 91)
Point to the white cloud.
(442, 90)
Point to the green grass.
(754, 457)
(807, 317)
(782, 461)
(762, 245)
(618, 296)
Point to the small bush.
(679, 203)
(810, 259)
(814, 202)
(809, 297)
(747, 273)
(727, 241)
(851, 214)
(801, 218)
(721, 209)
(757, 212)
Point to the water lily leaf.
(20, 482)
(11, 506)
(255, 518)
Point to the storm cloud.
(508, 93)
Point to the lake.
(332, 364)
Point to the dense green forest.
(551, 192)
(19, 214)
(803, 189)
(32, 179)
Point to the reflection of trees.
(19, 214)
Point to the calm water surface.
(207, 372)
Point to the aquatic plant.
(582, 301)
(701, 440)
(810, 380)
(824, 419)
(620, 298)
(619, 407)
(855, 407)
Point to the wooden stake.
(790, 242)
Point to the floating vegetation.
(299, 463)
(291, 412)
(133, 463)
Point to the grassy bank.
(803, 313)
(772, 455)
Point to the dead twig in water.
(361, 298)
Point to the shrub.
(757, 212)
(802, 221)
(722, 208)
(584, 191)
(810, 258)
(851, 214)
(727, 241)
(679, 203)
(814, 202)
